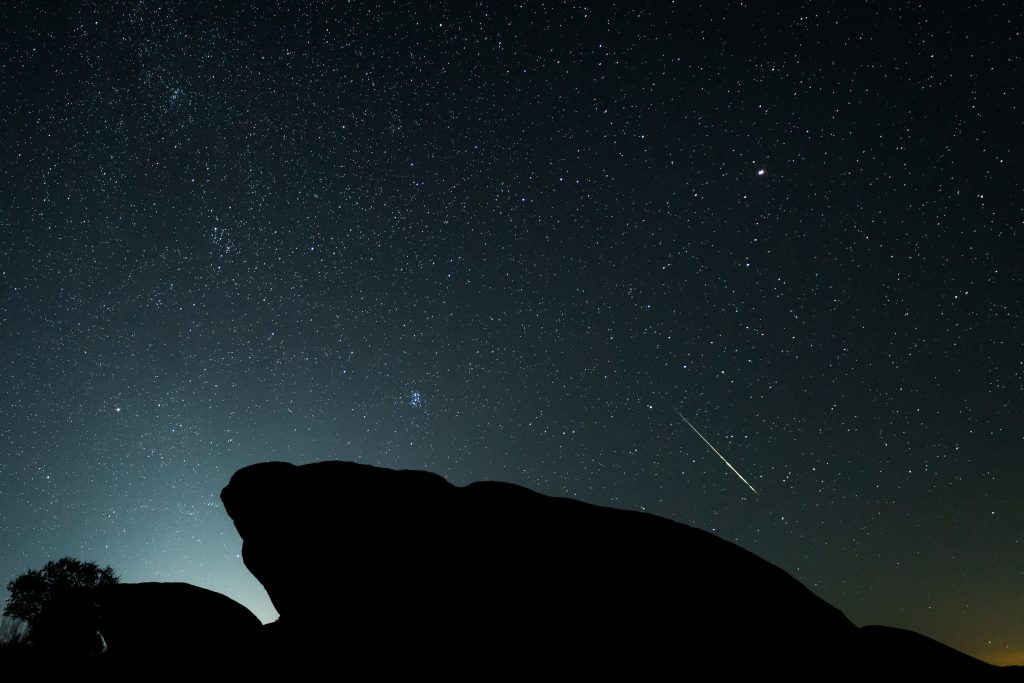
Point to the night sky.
(501, 241)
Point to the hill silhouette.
(402, 572)
(405, 569)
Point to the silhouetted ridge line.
(403, 568)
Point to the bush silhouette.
(56, 604)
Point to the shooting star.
(715, 450)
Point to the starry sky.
(508, 241)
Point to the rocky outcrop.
(172, 620)
(387, 564)
(399, 572)
(139, 631)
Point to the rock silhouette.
(406, 570)
(163, 620)
(139, 631)
(400, 572)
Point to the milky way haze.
(504, 242)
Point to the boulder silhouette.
(140, 631)
(172, 621)
(394, 566)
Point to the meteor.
(715, 450)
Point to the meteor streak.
(715, 450)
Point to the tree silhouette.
(51, 600)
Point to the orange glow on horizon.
(1001, 657)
